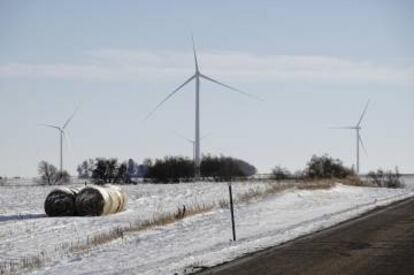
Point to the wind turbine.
(191, 141)
(61, 130)
(357, 129)
(196, 76)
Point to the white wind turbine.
(61, 130)
(357, 129)
(196, 76)
(192, 142)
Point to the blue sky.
(315, 64)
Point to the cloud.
(147, 66)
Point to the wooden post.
(233, 225)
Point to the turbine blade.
(231, 88)
(363, 113)
(70, 118)
(344, 127)
(189, 139)
(195, 54)
(362, 144)
(183, 137)
(168, 97)
(50, 126)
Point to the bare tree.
(50, 175)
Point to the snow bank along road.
(180, 247)
(381, 242)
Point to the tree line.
(170, 169)
(175, 169)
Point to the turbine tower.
(357, 129)
(61, 130)
(197, 76)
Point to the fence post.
(233, 225)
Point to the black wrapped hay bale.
(100, 200)
(61, 202)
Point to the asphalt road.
(381, 242)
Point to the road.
(381, 242)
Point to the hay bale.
(100, 200)
(61, 202)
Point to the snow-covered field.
(27, 237)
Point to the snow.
(200, 240)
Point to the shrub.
(388, 178)
(320, 167)
(279, 173)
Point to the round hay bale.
(100, 200)
(61, 202)
(117, 199)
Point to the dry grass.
(168, 218)
(223, 203)
(158, 219)
(277, 187)
(250, 195)
(354, 181)
(318, 184)
(254, 194)
(17, 266)
(329, 183)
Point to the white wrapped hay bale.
(61, 202)
(100, 200)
